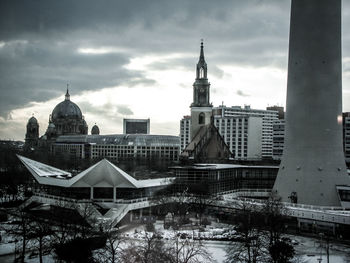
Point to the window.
(201, 118)
(201, 73)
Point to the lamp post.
(320, 258)
(15, 248)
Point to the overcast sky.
(136, 59)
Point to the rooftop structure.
(136, 126)
(102, 176)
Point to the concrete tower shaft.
(313, 159)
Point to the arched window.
(201, 118)
(201, 73)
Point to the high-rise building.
(268, 117)
(313, 170)
(242, 135)
(279, 109)
(346, 136)
(136, 126)
(278, 139)
(185, 131)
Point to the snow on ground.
(307, 248)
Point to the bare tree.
(149, 250)
(21, 230)
(201, 197)
(274, 213)
(177, 205)
(248, 244)
(191, 251)
(40, 235)
(112, 250)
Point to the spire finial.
(201, 57)
(67, 93)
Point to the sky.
(137, 58)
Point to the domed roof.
(32, 120)
(66, 109)
(95, 130)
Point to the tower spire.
(201, 56)
(67, 93)
(201, 65)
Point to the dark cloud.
(40, 39)
(39, 70)
(109, 110)
(241, 93)
(124, 110)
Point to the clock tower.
(201, 109)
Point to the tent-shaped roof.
(101, 174)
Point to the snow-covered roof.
(101, 174)
(44, 170)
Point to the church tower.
(32, 134)
(201, 109)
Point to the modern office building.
(242, 134)
(346, 135)
(268, 117)
(219, 178)
(119, 146)
(185, 131)
(279, 109)
(136, 126)
(278, 139)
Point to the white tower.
(201, 109)
(313, 159)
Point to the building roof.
(95, 130)
(218, 166)
(66, 109)
(122, 139)
(101, 174)
(33, 120)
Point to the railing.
(244, 190)
(230, 202)
(61, 198)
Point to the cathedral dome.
(95, 130)
(66, 109)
